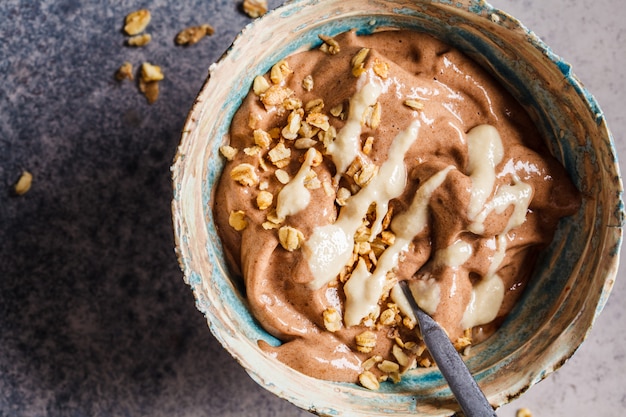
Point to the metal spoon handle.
(465, 389)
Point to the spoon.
(465, 389)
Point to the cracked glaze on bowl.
(572, 279)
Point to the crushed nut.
(193, 34)
(23, 184)
(414, 104)
(124, 72)
(462, 342)
(280, 71)
(388, 366)
(275, 95)
(337, 110)
(254, 119)
(425, 363)
(280, 155)
(261, 138)
(318, 120)
(282, 176)
(139, 40)
(290, 131)
(308, 131)
(366, 341)
(150, 89)
(252, 151)
(311, 182)
(136, 22)
(381, 68)
(387, 317)
(151, 72)
(332, 320)
(408, 323)
(237, 220)
(371, 361)
(358, 60)
(264, 200)
(304, 143)
(255, 8)
(245, 175)
(290, 238)
(330, 45)
(328, 136)
(343, 194)
(292, 103)
(371, 117)
(307, 83)
(523, 412)
(365, 175)
(368, 380)
(401, 357)
(314, 106)
(228, 152)
(260, 85)
(367, 146)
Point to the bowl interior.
(572, 278)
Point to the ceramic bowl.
(572, 279)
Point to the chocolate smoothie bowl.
(341, 147)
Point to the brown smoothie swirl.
(443, 95)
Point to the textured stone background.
(94, 317)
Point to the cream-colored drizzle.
(345, 147)
(488, 294)
(362, 296)
(485, 152)
(294, 196)
(329, 248)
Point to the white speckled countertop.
(94, 317)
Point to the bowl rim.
(613, 235)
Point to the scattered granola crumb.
(136, 22)
(523, 412)
(124, 72)
(381, 68)
(290, 238)
(332, 320)
(193, 34)
(264, 200)
(245, 175)
(255, 8)
(149, 89)
(237, 220)
(24, 183)
(139, 40)
(368, 380)
(228, 152)
(330, 45)
(150, 76)
(358, 62)
(388, 367)
(151, 72)
(282, 176)
(366, 341)
(414, 104)
(308, 83)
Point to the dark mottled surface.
(94, 317)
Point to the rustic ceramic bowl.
(572, 280)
